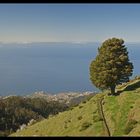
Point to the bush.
(65, 127)
(131, 106)
(79, 118)
(97, 118)
(130, 125)
(85, 125)
(80, 106)
(4, 133)
(71, 108)
(128, 129)
(69, 120)
(84, 102)
(95, 111)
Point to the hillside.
(102, 115)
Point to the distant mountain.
(46, 44)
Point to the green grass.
(118, 108)
(84, 119)
(68, 124)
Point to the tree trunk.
(112, 89)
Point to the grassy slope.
(118, 110)
(69, 123)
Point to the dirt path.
(101, 112)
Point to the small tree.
(111, 66)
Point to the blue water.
(51, 67)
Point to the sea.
(52, 67)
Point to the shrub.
(69, 120)
(84, 102)
(71, 108)
(94, 111)
(4, 133)
(97, 118)
(79, 118)
(131, 106)
(133, 122)
(80, 106)
(85, 125)
(128, 129)
(94, 101)
(130, 125)
(100, 119)
(65, 127)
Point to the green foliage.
(85, 125)
(60, 125)
(16, 110)
(69, 121)
(117, 112)
(111, 66)
(130, 125)
(79, 118)
(4, 133)
(80, 106)
(97, 118)
(84, 102)
(131, 106)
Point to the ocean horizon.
(54, 67)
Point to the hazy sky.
(69, 22)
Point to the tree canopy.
(111, 66)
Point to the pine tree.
(111, 66)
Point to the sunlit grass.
(84, 119)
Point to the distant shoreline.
(43, 93)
